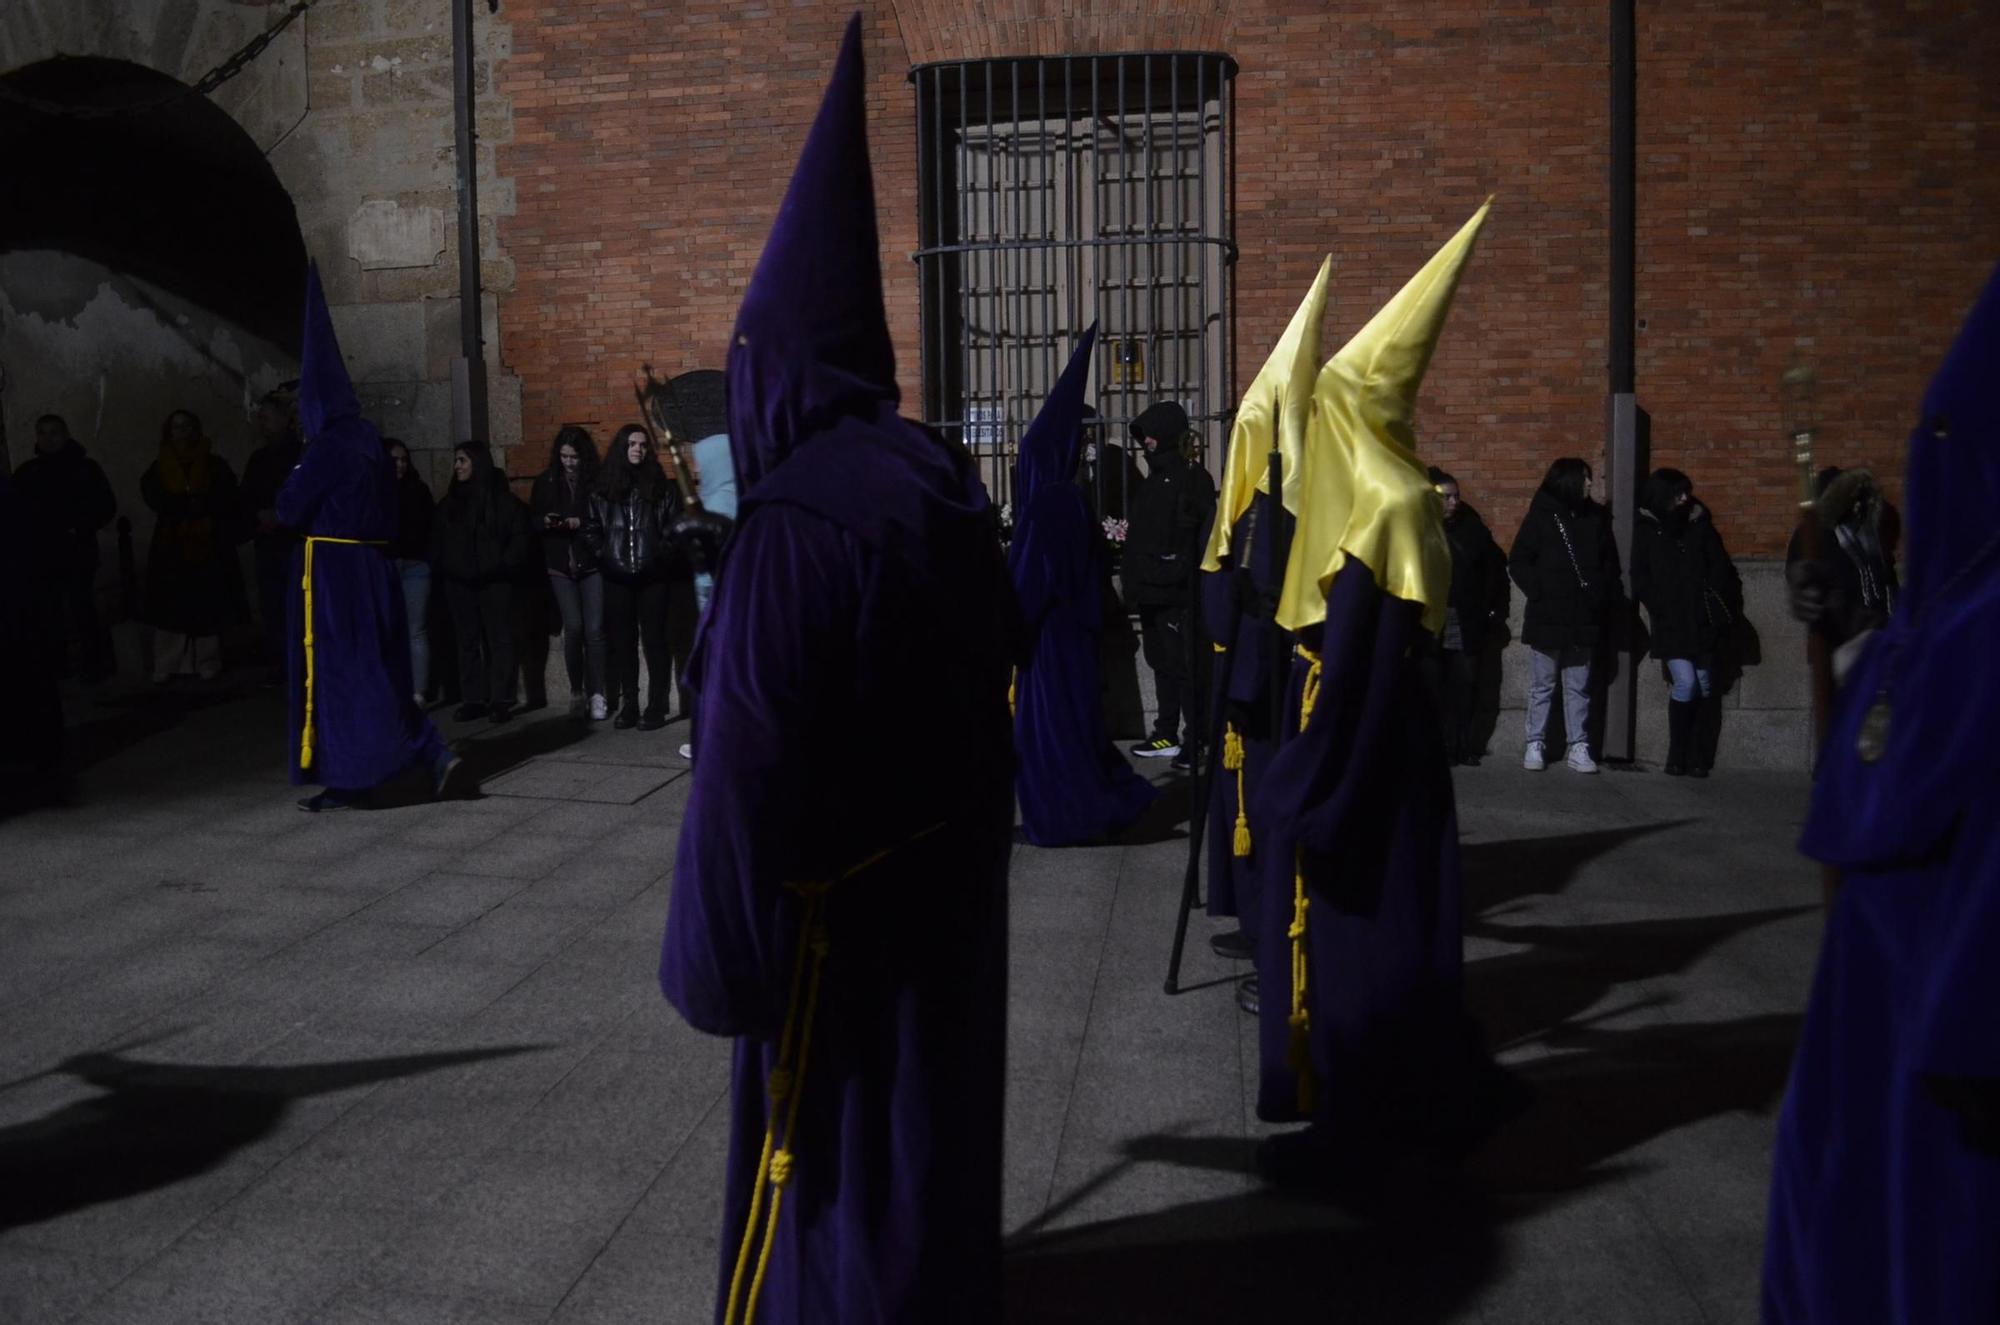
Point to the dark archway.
(178, 195)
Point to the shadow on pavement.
(156, 1124)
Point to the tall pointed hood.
(1953, 482)
(1051, 445)
(327, 404)
(1282, 387)
(1366, 495)
(812, 339)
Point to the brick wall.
(1810, 191)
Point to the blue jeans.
(1574, 666)
(1688, 676)
(416, 606)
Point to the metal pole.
(1625, 422)
(469, 415)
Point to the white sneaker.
(1532, 760)
(687, 753)
(599, 710)
(1579, 760)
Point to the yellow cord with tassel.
(306, 729)
(1299, 1047)
(1232, 761)
(786, 1087)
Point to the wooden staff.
(1819, 657)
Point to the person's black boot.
(1680, 727)
(1701, 753)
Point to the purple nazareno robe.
(1360, 803)
(1885, 1185)
(843, 858)
(366, 725)
(1074, 785)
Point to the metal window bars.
(1054, 191)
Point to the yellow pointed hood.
(1366, 495)
(1283, 386)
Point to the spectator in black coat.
(631, 511)
(1168, 517)
(271, 544)
(1683, 577)
(1473, 619)
(480, 543)
(411, 552)
(66, 502)
(194, 582)
(561, 505)
(1566, 563)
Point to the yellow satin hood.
(1365, 494)
(1283, 386)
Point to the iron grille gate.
(1054, 191)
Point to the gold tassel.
(1012, 678)
(1299, 1048)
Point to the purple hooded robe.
(367, 728)
(1885, 1189)
(860, 618)
(1074, 785)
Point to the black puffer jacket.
(1684, 578)
(481, 531)
(1479, 590)
(627, 536)
(1566, 563)
(66, 500)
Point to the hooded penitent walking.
(354, 723)
(1363, 1032)
(839, 898)
(1074, 785)
(1885, 1185)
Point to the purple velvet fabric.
(1365, 793)
(859, 633)
(367, 725)
(1885, 1191)
(1074, 786)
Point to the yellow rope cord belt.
(306, 730)
(1013, 679)
(1299, 1049)
(1232, 761)
(787, 1084)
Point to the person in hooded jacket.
(1168, 521)
(632, 508)
(1476, 614)
(1683, 577)
(561, 505)
(479, 545)
(1566, 563)
(66, 501)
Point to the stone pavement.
(412, 1066)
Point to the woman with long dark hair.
(632, 506)
(1566, 563)
(194, 583)
(1684, 578)
(560, 505)
(480, 544)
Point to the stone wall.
(353, 108)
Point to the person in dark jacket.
(271, 544)
(1168, 520)
(1109, 475)
(411, 553)
(1477, 613)
(560, 505)
(194, 584)
(1566, 563)
(1683, 577)
(479, 544)
(66, 502)
(632, 509)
